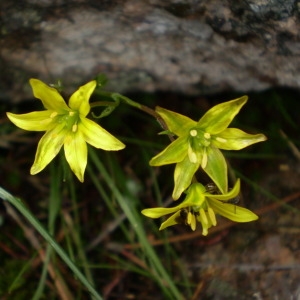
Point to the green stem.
(118, 97)
(17, 203)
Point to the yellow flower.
(64, 125)
(198, 144)
(202, 206)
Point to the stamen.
(203, 216)
(74, 127)
(71, 113)
(54, 114)
(193, 222)
(204, 160)
(212, 216)
(193, 132)
(189, 218)
(207, 135)
(192, 155)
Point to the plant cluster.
(196, 146)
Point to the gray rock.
(194, 47)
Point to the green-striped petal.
(216, 168)
(51, 98)
(48, 147)
(98, 137)
(80, 99)
(76, 153)
(174, 153)
(220, 116)
(236, 139)
(34, 121)
(177, 123)
(183, 175)
(232, 211)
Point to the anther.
(193, 132)
(54, 114)
(207, 135)
(74, 128)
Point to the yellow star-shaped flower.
(198, 144)
(202, 206)
(64, 125)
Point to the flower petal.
(48, 147)
(195, 195)
(76, 153)
(183, 175)
(80, 99)
(34, 121)
(98, 137)
(51, 98)
(170, 221)
(174, 153)
(216, 168)
(177, 123)
(158, 212)
(232, 212)
(220, 116)
(228, 196)
(236, 139)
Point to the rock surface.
(188, 46)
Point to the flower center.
(70, 119)
(198, 141)
(199, 138)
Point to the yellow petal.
(232, 211)
(98, 137)
(184, 172)
(236, 139)
(76, 153)
(34, 121)
(80, 99)
(51, 98)
(174, 153)
(170, 221)
(48, 147)
(177, 123)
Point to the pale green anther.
(193, 222)
(189, 218)
(203, 216)
(53, 115)
(204, 160)
(192, 155)
(71, 113)
(207, 135)
(74, 128)
(193, 132)
(212, 216)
